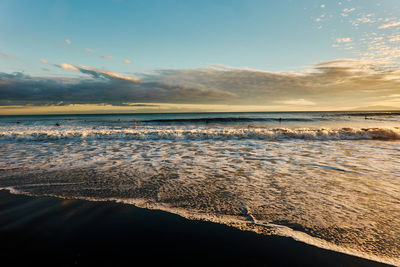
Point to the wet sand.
(59, 232)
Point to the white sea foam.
(252, 225)
(335, 187)
(14, 191)
(164, 133)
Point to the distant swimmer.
(280, 120)
(136, 124)
(57, 124)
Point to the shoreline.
(61, 232)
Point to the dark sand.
(57, 232)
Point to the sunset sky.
(184, 56)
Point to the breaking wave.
(159, 133)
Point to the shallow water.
(327, 179)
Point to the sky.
(67, 56)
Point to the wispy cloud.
(343, 40)
(44, 61)
(127, 61)
(68, 41)
(395, 39)
(6, 55)
(67, 66)
(107, 57)
(375, 36)
(348, 10)
(89, 50)
(98, 73)
(364, 19)
(389, 25)
(320, 18)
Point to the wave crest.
(147, 133)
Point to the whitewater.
(329, 179)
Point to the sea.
(329, 179)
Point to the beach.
(260, 181)
(200, 133)
(66, 232)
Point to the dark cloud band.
(337, 82)
(102, 87)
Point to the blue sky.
(140, 38)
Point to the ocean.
(329, 179)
